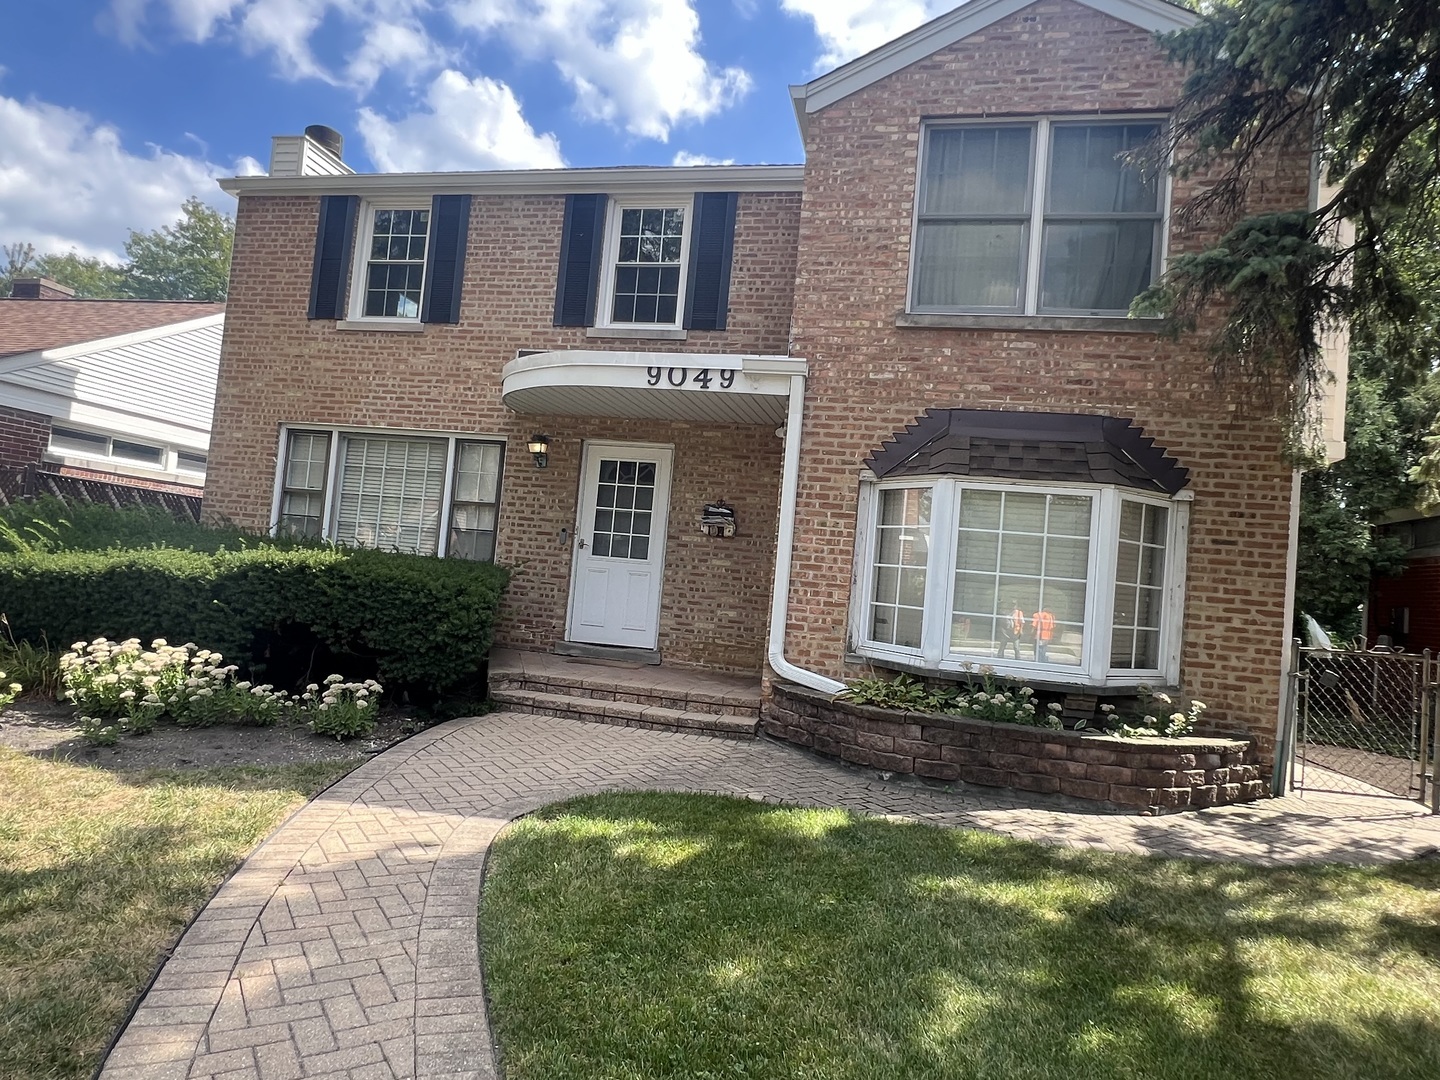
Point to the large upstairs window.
(1044, 217)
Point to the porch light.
(539, 445)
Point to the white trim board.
(1157, 16)
(642, 180)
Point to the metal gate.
(1365, 723)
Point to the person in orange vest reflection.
(1044, 624)
(1012, 629)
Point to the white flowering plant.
(1159, 716)
(123, 688)
(988, 698)
(341, 709)
(8, 690)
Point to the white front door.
(620, 545)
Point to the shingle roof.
(28, 325)
(1029, 446)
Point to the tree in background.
(189, 260)
(1357, 82)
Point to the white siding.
(169, 379)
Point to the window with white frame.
(1044, 217)
(646, 248)
(1068, 582)
(390, 270)
(70, 442)
(424, 494)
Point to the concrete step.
(598, 688)
(626, 713)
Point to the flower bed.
(1136, 775)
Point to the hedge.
(414, 622)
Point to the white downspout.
(784, 547)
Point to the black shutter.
(445, 258)
(580, 253)
(334, 239)
(712, 242)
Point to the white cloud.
(635, 64)
(67, 182)
(685, 158)
(465, 124)
(848, 28)
(393, 35)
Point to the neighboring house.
(1404, 610)
(114, 390)
(903, 370)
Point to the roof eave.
(639, 179)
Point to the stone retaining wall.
(1144, 776)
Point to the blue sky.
(112, 112)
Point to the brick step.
(626, 713)
(719, 703)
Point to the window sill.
(1054, 679)
(399, 326)
(637, 333)
(1109, 324)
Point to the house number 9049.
(679, 376)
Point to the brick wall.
(23, 436)
(870, 377)
(278, 367)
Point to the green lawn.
(695, 937)
(99, 873)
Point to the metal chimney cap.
(327, 137)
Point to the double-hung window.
(1045, 217)
(646, 249)
(424, 494)
(1076, 584)
(390, 272)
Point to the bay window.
(423, 494)
(1042, 217)
(1075, 584)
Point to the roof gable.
(1158, 16)
(33, 325)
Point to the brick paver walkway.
(346, 945)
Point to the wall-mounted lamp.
(539, 445)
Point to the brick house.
(884, 409)
(119, 391)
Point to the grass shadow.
(669, 936)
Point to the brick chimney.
(39, 288)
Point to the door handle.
(582, 543)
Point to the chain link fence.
(1366, 723)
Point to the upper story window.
(655, 265)
(424, 494)
(391, 275)
(1041, 217)
(645, 248)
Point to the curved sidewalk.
(346, 945)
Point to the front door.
(620, 545)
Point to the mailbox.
(718, 519)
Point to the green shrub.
(47, 524)
(414, 622)
(989, 698)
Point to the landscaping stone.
(1144, 775)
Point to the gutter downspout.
(784, 549)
